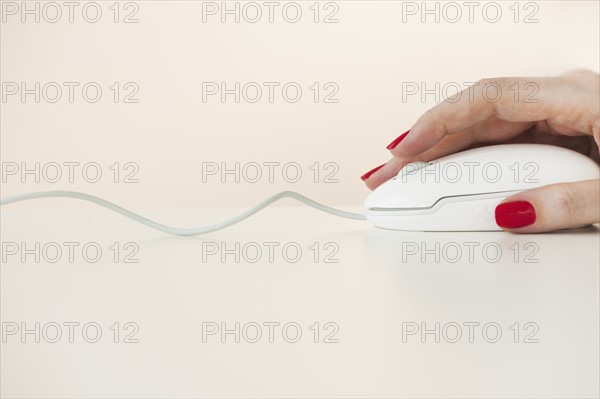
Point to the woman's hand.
(565, 111)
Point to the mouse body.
(460, 192)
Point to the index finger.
(516, 100)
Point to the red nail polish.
(515, 214)
(397, 141)
(369, 173)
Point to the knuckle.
(498, 82)
(582, 73)
(435, 117)
(492, 91)
(432, 113)
(582, 79)
(567, 201)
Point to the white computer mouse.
(459, 192)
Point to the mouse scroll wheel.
(412, 168)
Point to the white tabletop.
(368, 290)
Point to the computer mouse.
(459, 192)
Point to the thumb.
(549, 208)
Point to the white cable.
(179, 231)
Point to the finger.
(522, 100)
(383, 173)
(448, 145)
(550, 208)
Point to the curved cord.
(180, 231)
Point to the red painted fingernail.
(512, 215)
(397, 141)
(369, 173)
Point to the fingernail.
(369, 173)
(515, 214)
(397, 141)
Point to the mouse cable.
(180, 231)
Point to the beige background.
(170, 132)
